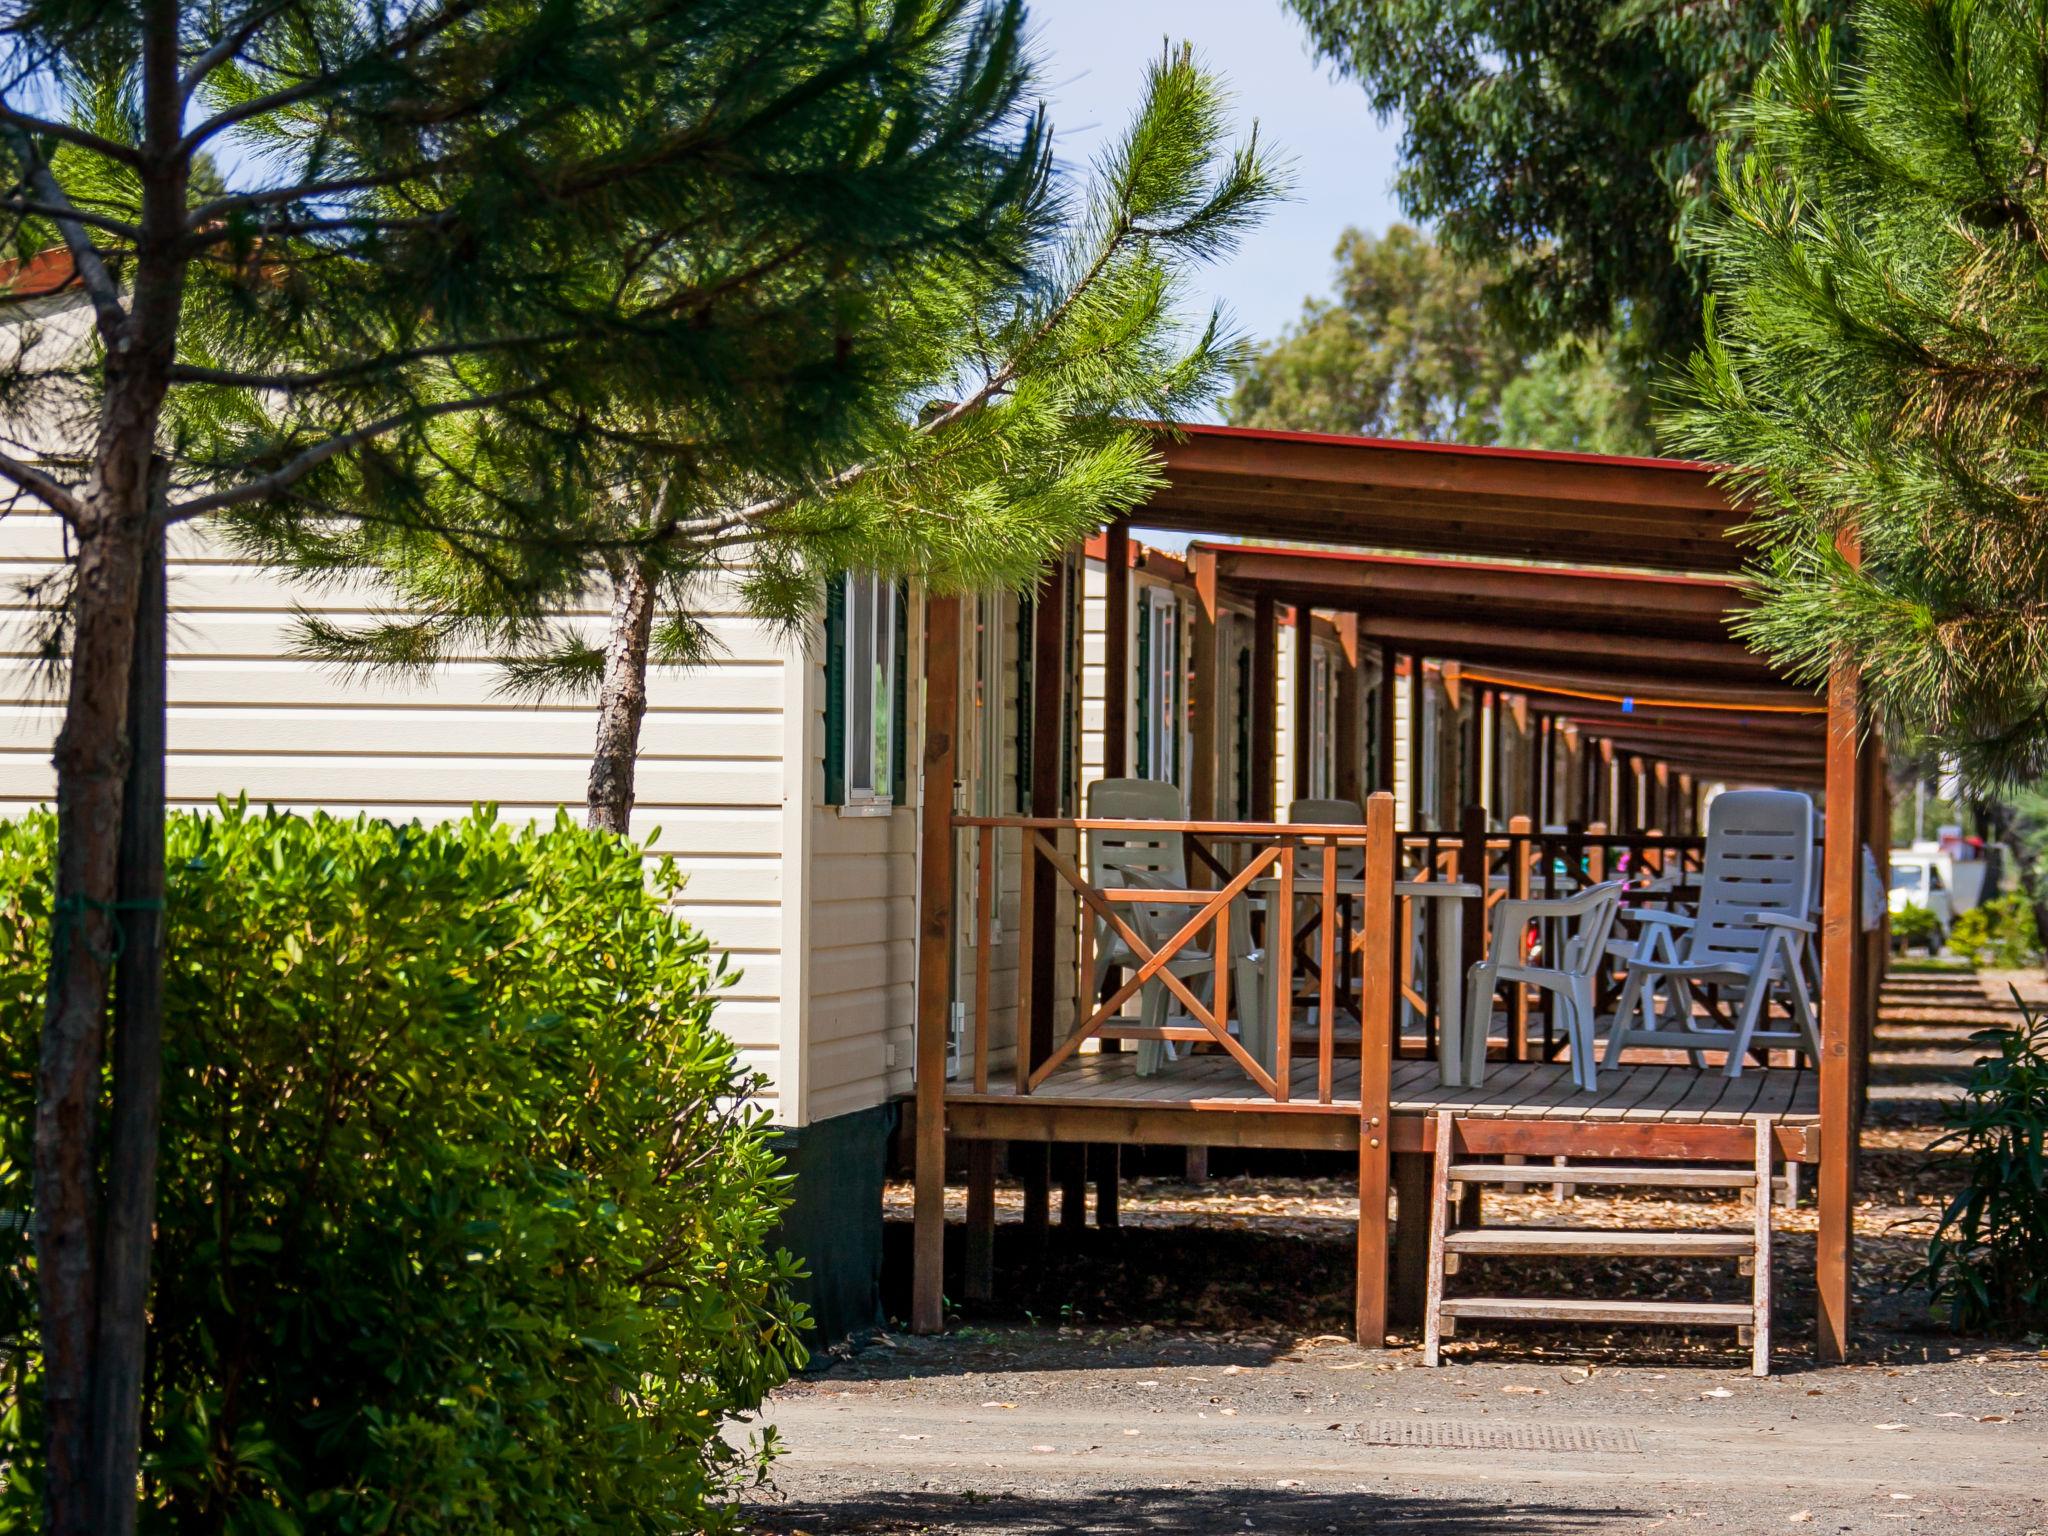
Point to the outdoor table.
(1450, 897)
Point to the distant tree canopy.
(1564, 144)
(1408, 346)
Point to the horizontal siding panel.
(360, 733)
(839, 923)
(309, 781)
(730, 685)
(853, 967)
(272, 635)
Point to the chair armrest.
(1659, 915)
(1780, 920)
(1520, 909)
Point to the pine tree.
(1876, 369)
(316, 239)
(998, 432)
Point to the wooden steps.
(1449, 1246)
(1733, 1314)
(1566, 1242)
(1670, 1176)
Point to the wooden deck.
(1638, 1110)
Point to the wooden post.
(1304, 697)
(1375, 1068)
(978, 1283)
(1519, 860)
(1265, 706)
(1387, 721)
(1497, 765)
(1411, 1238)
(1348, 783)
(1539, 763)
(934, 958)
(1053, 696)
(1471, 791)
(1418, 792)
(1116, 651)
(1840, 1002)
(1207, 702)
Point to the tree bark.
(621, 700)
(137, 1087)
(92, 767)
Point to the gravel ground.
(1150, 1408)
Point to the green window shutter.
(900, 736)
(835, 691)
(1144, 692)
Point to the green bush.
(464, 1218)
(1999, 933)
(1916, 925)
(1988, 1262)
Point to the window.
(865, 641)
(1162, 688)
(1241, 732)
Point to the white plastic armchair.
(1157, 861)
(1576, 929)
(1748, 939)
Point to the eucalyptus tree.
(999, 432)
(310, 239)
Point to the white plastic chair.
(1575, 933)
(1747, 939)
(1158, 861)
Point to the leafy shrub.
(1988, 1261)
(463, 1216)
(1999, 933)
(1916, 925)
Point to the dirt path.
(1171, 1425)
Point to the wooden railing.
(1245, 887)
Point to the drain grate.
(1464, 1435)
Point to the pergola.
(1598, 588)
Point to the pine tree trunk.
(621, 700)
(137, 1079)
(92, 770)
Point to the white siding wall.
(245, 718)
(859, 1013)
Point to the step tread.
(1584, 1310)
(1511, 1241)
(1667, 1176)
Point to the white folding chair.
(1575, 938)
(1148, 860)
(1747, 939)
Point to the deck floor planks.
(1513, 1090)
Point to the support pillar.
(934, 958)
(1265, 706)
(1348, 780)
(1053, 699)
(978, 1281)
(1116, 651)
(1304, 697)
(1418, 792)
(1375, 1069)
(1840, 1005)
(1386, 720)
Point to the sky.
(1093, 55)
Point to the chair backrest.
(1314, 812)
(1160, 856)
(1584, 947)
(1759, 859)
